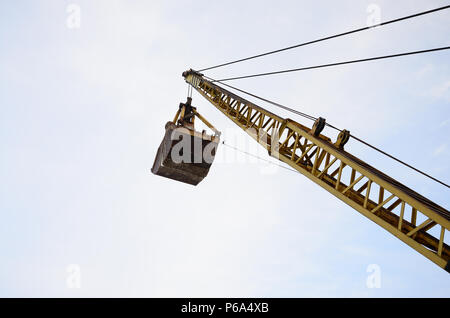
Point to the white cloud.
(441, 91)
(444, 123)
(440, 150)
(425, 70)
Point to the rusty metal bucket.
(184, 154)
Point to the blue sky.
(83, 112)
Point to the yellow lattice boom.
(369, 191)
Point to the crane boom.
(374, 194)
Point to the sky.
(86, 88)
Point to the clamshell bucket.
(185, 154)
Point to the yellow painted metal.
(294, 144)
(206, 122)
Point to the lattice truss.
(412, 218)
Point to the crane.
(369, 191)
